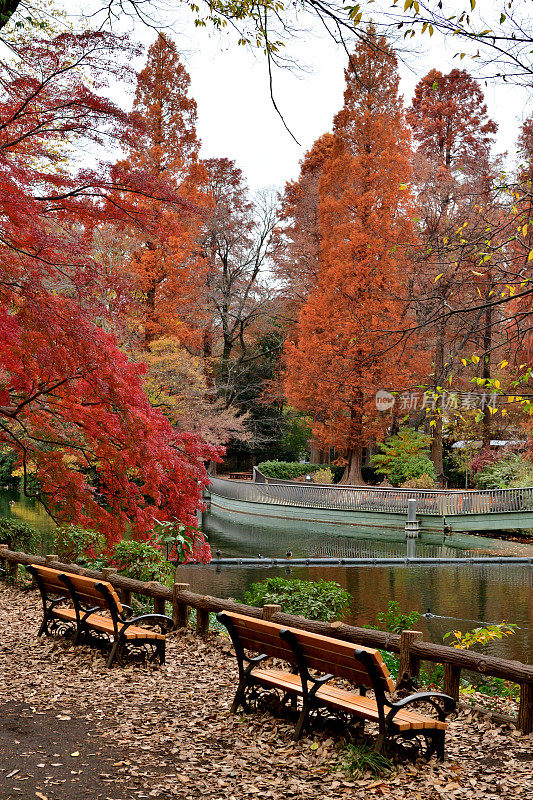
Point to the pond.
(459, 596)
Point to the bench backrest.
(47, 579)
(322, 653)
(56, 582)
(91, 591)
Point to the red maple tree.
(72, 406)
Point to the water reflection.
(459, 595)
(14, 505)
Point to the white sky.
(236, 118)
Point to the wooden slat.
(65, 613)
(105, 624)
(341, 699)
(86, 588)
(252, 640)
(322, 652)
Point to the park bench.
(362, 667)
(90, 610)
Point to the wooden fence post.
(525, 709)
(270, 609)
(452, 677)
(50, 558)
(159, 602)
(202, 621)
(409, 664)
(108, 572)
(180, 611)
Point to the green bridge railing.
(362, 498)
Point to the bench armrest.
(165, 623)
(87, 613)
(54, 603)
(445, 707)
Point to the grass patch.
(359, 759)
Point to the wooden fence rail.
(409, 645)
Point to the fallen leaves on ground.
(166, 732)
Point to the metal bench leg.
(440, 735)
(239, 700)
(302, 721)
(112, 654)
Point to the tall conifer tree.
(347, 347)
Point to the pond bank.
(167, 732)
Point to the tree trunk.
(352, 475)
(487, 345)
(436, 443)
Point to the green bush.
(286, 470)
(396, 621)
(19, 536)
(404, 456)
(73, 542)
(140, 561)
(321, 600)
(513, 471)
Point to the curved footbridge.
(292, 504)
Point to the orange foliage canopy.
(168, 268)
(347, 346)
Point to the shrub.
(323, 476)
(73, 542)
(321, 600)
(478, 638)
(404, 456)
(423, 482)
(19, 536)
(396, 621)
(286, 470)
(513, 470)
(185, 543)
(142, 561)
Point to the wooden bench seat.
(363, 667)
(92, 612)
(334, 696)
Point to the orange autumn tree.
(167, 269)
(297, 259)
(347, 343)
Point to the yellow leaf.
(442, 273)
(475, 359)
(403, 186)
(464, 361)
(497, 384)
(530, 256)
